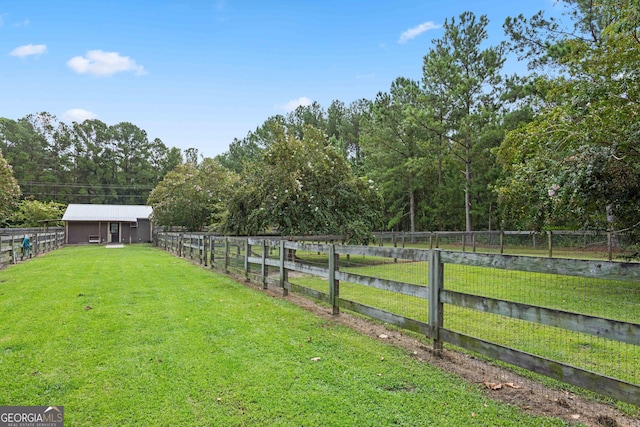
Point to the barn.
(107, 224)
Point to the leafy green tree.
(26, 151)
(53, 136)
(395, 155)
(33, 213)
(345, 125)
(192, 196)
(250, 149)
(162, 159)
(9, 189)
(578, 158)
(90, 140)
(87, 162)
(463, 82)
(304, 116)
(303, 187)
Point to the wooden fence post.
(334, 285)
(247, 254)
(283, 271)
(204, 249)
(436, 284)
(226, 254)
(501, 242)
(13, 250)
(395, 245)
(212, 250)
(550, 243)
(609, 245)
(264, 270)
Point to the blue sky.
(200, 73)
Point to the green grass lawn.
(602, 298)
(135, 336)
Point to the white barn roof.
(126, 213)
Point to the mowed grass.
(137, 337)
(602, 298)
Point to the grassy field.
(601, 298)
(136, 337)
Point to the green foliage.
(578, 162)
(251, 148)
(9, 188)
(303, 187)
(396, 154)
(86, 162)
(464, 89)
(192, 196)
(33, 213)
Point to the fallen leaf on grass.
(88, 307)
(512, 385)
(575, 416)
(492, 386)
(383, 336)
(315, 359)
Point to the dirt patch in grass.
(499, 383)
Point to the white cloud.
(414, 32)
(78, 115)
(295, 103)
(24, 23)
(29, 49)
(103, 64)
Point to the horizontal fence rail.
(572, 320)
(12, 250)
(592, 244)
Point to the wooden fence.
(11, 251)
(272, 261)
(599, 244)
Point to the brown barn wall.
(142, 234)
(79, 232)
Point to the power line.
(82, 185)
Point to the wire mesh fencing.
(573, 320)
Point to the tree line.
(465, 147)
(55, 164)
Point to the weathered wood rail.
(270, 261)
(41, 241)
(503, 241)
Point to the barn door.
(114, 231)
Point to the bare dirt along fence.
(573, 320)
